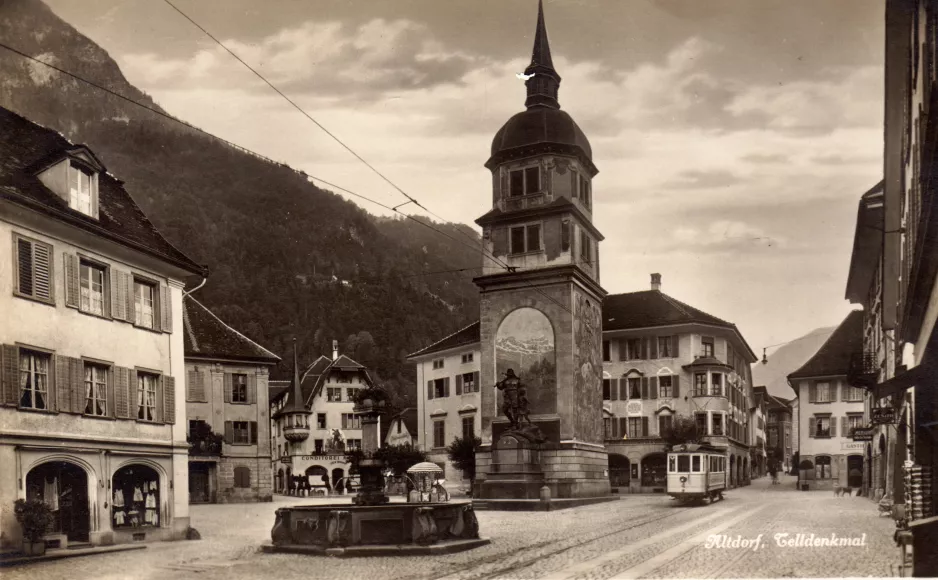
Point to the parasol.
(425, 467)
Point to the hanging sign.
(883, 415)
(286, 459)
(863, 434)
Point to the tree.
(462, 453)
(683, 429)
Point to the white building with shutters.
(92, 403)
(227, 411)
(829, 409)
(661, 358)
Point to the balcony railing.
(863, 369)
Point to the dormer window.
(81, 186)
(524, 181)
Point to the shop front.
(314, 475)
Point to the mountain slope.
(787, 359)
(278, 248)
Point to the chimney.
(656, 282)
(335, 349)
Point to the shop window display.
(136, 497)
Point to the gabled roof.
(651, 308)
(315, 376)
(867, 244)
(408, 416)
(25, 145)
(833, 358)
(462, 337)
(208, 337)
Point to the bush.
(35, 517)
(683, 429)
(462, 453)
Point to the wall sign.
(883, 415)
(863, 434)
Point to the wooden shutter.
(675, 341)
(654, 347)
(166, 309)
(118, 301)
(429, 390)
(134, 390)
(42, 271)
(127, 284)
(253, 439)
(446, 387)
(194, 388)
(458, 384)
(653, 388)
(812, 392)
(229, 432)
(111, 394)
(644, 387)
(72, 284)
(475, 381)
(812, 429)
(623, 427)
(833, 422)
(676, 386)
(121, 393)
(844, 426)
(77, 384)
(63, 397)
(252, 387)
(9, 375)
(613, 389)
(644, 426)
(229, 387)
(169, 399)
(837, 393)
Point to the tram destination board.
(883, 415)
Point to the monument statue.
(515, 405)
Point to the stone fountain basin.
(390, 529)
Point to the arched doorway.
(618, 470)
(337, 474)
(732, 470)
(136, 497)
(315, 475)
(653, 471)
(63, 486)
(855, 471)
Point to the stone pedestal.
(370, 471)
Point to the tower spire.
(298, 402)
(543, 86)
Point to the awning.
(910, 378)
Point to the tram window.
(696, 464)
(683, 463)
(672, 464)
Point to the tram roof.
(696, 448)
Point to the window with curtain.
(34, 379)
(143, 304)
(91, 281)
(822, 467)
(664, 387)
(95, 390)
(146, 396)
(822, 393)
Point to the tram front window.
(696, 464)
(672, 464)
(683, 463)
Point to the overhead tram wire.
(410, 198)
(241, 148)
(79, 78)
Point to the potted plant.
(35, 518)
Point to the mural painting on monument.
(525, 343)
(587, 378)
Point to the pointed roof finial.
(543, 82)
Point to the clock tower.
(541, 303)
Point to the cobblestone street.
(638, 536)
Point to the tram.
(696, 472)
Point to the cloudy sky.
(733, 137)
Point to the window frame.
(107, 368)
(49, 356)
(439, 388)
(77, 166)
(707, 346)
(701, 390)
(635, 382)
(526, 227)
(235, 431)
(634, 428)
(817, 420)
(827, 392)
(157, 377)
(92, 264)
(333, 394)
(17, 291)
(154, 287)
(236, 389)
(471, 422)
(467, 358)
(473, 387)
(439, 429)
(718, 425)
(524, 172)
(665, 392)
(716, 387)
(665, 348)
(440, 365)
(324, 424)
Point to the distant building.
(327, 389)
(92, 384)
(401, 429)
(661, 358)
(830, 408)
(779, 432)
(227, 411)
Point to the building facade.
(830, 408)
(779, 431)
(327, 391)
(227, 412)
(757, 432)
(92, 420)
(645, 382)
